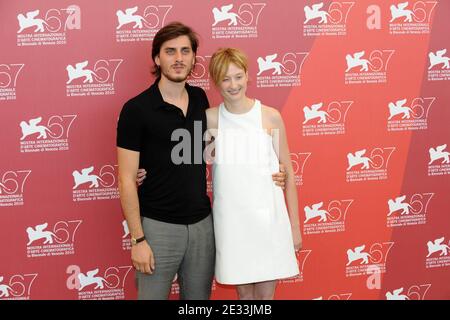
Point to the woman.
(256, 235)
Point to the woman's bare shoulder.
(271, 114)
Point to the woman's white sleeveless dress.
(251, 222)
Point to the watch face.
(133, 241)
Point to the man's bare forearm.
(130, 206)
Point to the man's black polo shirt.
(173, 193)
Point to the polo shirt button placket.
(183, 117)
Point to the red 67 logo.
(62, 232)
(417, 204)
(291, 63)
(420, 12)
(377, 159)
(375, 61)
(247, 14)
(337, 13)
(112, 278)
(336, 210)
(13, 181)
(9, 74)
(302, 256)
(155, 16)
(152, 18)
(207, 173)
(342, 296)
(335, 112)
(298, 161)
(377, 253)
(106, 178)
(209, 185)
(418, 109)
(18, 286)
(200, 76)
(200, 70)
(104, 71)
(56, 127)
(53, 21)
(414, 292)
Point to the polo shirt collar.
(158, 99)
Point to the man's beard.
(179, 78)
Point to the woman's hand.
(297, 238)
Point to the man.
(169, 217)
